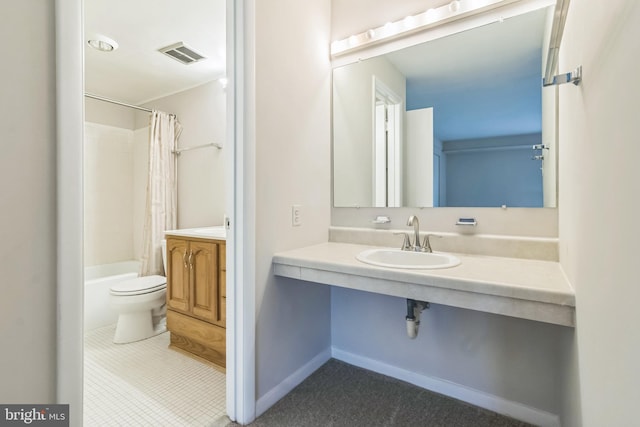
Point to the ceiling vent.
(182, 53)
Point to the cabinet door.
(177, 275)
(222, 286)
(204, 279)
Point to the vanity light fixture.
(413, 23)
(102, 43)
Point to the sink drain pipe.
(414, 308)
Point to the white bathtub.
(97, 282)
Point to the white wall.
(353, 101)
(599, 188)
(108, 194)
(140, 177)
(292, 166)
(28, 189)
(100, 248)
(202, 113)
(512, 359)
(109, 114)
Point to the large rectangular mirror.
(455, 121)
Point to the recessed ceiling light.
(102, 43)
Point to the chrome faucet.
(413, 221)
(406, 241)
(425, 246)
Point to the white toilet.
(141, 306)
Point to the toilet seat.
(139, 285)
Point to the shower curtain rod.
(101, 98)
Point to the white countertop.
(530, 289)
(215, 233)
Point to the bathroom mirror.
(455, 121)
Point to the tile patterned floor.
(147, 384)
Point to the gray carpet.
(339, 395)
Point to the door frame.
(69, 222)
(69, 32)
(393, 150)
(240, 203)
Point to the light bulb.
(429, 15)
(409, 22)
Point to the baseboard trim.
(279, 391)
(475, 397)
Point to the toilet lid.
(140, 285)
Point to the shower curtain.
(161, 206)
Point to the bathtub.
(98, 280)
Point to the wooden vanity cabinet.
(196, 282)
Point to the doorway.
(387, 143)
(70, 275)
(127, 63)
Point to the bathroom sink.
(396, 258)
